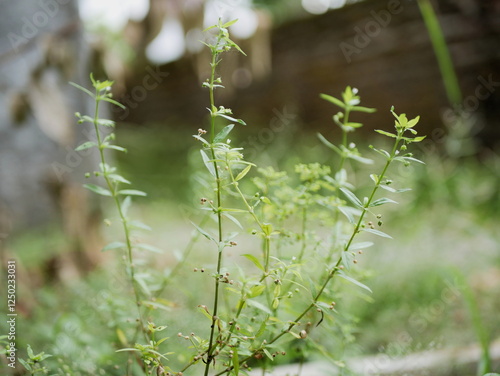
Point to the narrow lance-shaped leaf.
(97, 189)
(242, 174)
(352, 280)
(352, 197)
(333, 100)
(221, 136)
(86, 145)
(132, 192)
(208, 164)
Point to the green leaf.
(231, 118)
(328, 144)
(114, 102)
(204, 233)
(86, 145)
(114, 147)
(382, 201)
(363, 109)
(333, 100)
(268, 354)
(242, 174)
(353, 125)
(31, 355)
(97, 189)
(221, 136)
(352, 197)
(360, 245)
(418, 139)
(413, 122)
(25, 365)
(386, 133)
(259, 306)
(126, 205)
(377, 232)
(352, 280)
(359, 158)
(132, 192)
(262, 327)
(118, 178)
(347, 258)
(82, 89)
(230, 23)
(148, 247)
(254, 260)
(256, 291)
(139, 225)
(347, 212)
(113, 245)
(234, 220)
(106, 122)
(208, 163)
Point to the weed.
(302, 251)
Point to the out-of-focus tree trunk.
(41, 49)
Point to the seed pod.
(303, 334)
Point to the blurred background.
(436, 59)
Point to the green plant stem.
(334, 270)
(211, 346)
(344, 139)
(113, 189)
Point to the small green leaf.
(352, 280)
(363, 109)
(386, 133)
(352, 197)
(221, 136)
(347, 212)
(114, 102)
(234, 220)
(114, 147)
(97, 189)
(82, 89)
(256, 291)
(333, 100)
(377, 232)
(25, 365)
(106, 122)
(113, 245)
(360, 245)
(132, 192)
(118, 178)
(242, 174)
(231, 118)
(204, 233)
(268, 354)
(208, 163)
(259, 306)
(328, 144)
(230, 23)
(382, 201)
(86, 145)
(353, 125)
(254, 260)
(139, 225)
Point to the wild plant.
(303, 228)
